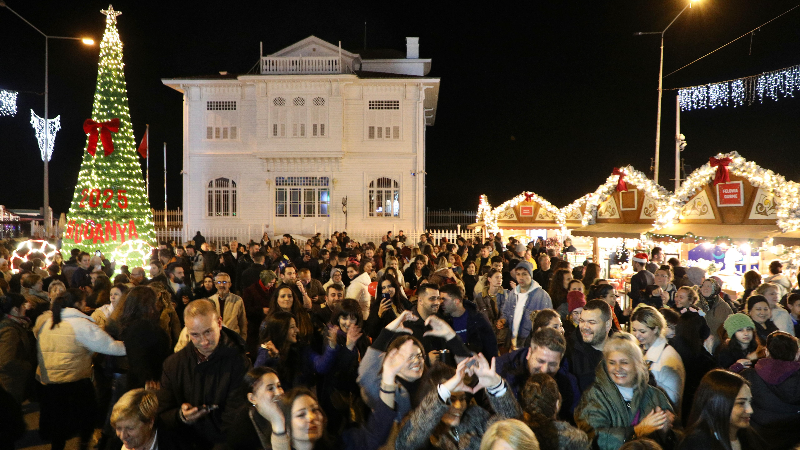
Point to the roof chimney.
(412, 48)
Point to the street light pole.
(660, 84)
(46, 207)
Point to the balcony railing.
(295, 65)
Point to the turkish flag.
(143, 146)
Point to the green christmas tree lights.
(110, 205)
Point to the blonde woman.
(649, 328)
(509, 434)
(620, 405)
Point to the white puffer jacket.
(65, 352)
(358, 290)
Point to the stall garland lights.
(32, 246)
(8, 103)
(775, 84)
(53, 125)
(595, 199)
(785, 192)
(592, 201)
(119, 171)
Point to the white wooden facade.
(282, 148)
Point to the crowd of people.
(403, 344)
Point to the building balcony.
(303, 65)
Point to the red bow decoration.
(528, 197)
(621, 186)
(104, 129)
(721, 164)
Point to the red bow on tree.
(621, 186)
(528, 197)
(104, 129)
(721, 164)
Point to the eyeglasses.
(415, 357)
(222, 282)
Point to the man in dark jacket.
(199, 384)
(256, 304)
(586, 350)
(543, 273)
(775, 384)
(244, 263)
(641, 279)
(306, 261)
(469, 324)
(289, 248)
(199, 240)
(543, 356)
(249, 276)
(440, 336)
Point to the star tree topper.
(110, 13)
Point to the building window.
(302, 196)
(384, 198)
(278, 114)
(318, 116)
(383, 119)
(223, 122)
(299, 117)
(221, 195)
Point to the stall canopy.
(526, 211)
(624, 206)
(728, 198)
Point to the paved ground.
(31, 439)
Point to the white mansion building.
(281, 149)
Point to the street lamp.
(87, 41)
(660, 80)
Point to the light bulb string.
(731, 42)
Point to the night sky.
(540, 96)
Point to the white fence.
(245, 234)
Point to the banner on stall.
(730, 194)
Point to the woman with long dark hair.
(260, 423)
(591, 275)
(558, 288)
(207, 288)
(287, 299)
(691, 333)
(418, 270)
(338, 391)
(720, 417)
(294, 360)
(387, 306)
(66, 342)
(541, 402)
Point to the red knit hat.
(640, 258)
(575, 299)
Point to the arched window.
(221, 196)
(384, 198)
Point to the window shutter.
(396, 132)
(209, 132)
(234, 132)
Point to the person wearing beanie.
(743, 347)
(640, 279)
(716, 309)
(575, 303)
(525, 298)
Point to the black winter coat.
(775, 386)
(583, 360)
(213, 382)
(480, 335)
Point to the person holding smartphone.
(387, 307)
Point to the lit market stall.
(615, 216)
(527, 217)
(724, 215)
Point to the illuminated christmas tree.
(110, 205)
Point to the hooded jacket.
(214, 381)
(776, 400)
(358, 290)
(538, 299)
(17, 357)
(604, 416)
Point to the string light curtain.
(773, 85)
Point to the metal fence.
(447, 218)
